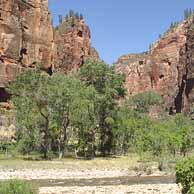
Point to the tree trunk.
(46, 138)
(63, 135)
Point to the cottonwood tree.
(65, 92)
(29, 94)
(109, 86)
(41, 102)
(85, 121)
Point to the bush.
(185, 175)
(143, 101)
(191, 190)
(16, 187)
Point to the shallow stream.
(125, 180)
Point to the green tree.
(143, 101)
(85, 121)
(60, 19)
(77, 16)
(64, 93)
(81, 16)
(185, 176)
(141, 136)
(71, 13)
(66, 17)
(184, 132)
(30, 99)
(109, 86)
(186, 13)
(159, 138)
(125, 129)
(42, 102)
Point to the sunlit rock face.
(167, 68)
(73, 45)
(26, 37)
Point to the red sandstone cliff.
(27, 39)
(72, 45)
(26, 36)
(167, 68)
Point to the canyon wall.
(167, 68)
(26, 37)
(73, 45)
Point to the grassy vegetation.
(124, 162)
(17, 187)
(129, 162)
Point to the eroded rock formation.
(26, 37)
(72, 45)
(168, 68)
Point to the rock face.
(166, 69)
(26, 36)
(27, 39)
(72, 45)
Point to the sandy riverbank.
(121, 189)
(29, 174)
(86, 170)
(43, 174)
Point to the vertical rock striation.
(26, 37)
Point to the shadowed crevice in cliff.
(50, 70)
(179, 97)
(165, 69)
(189, 86)
(188, 91)
(4, 96)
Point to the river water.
(124, 180)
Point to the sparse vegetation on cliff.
(188, 13)
(70, 19)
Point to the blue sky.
(123, 26)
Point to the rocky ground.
(121, 189)
(30, 174)
(66, 174)
(121, 175)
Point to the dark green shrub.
(143, 101)
(185, 175)
(16, 187)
